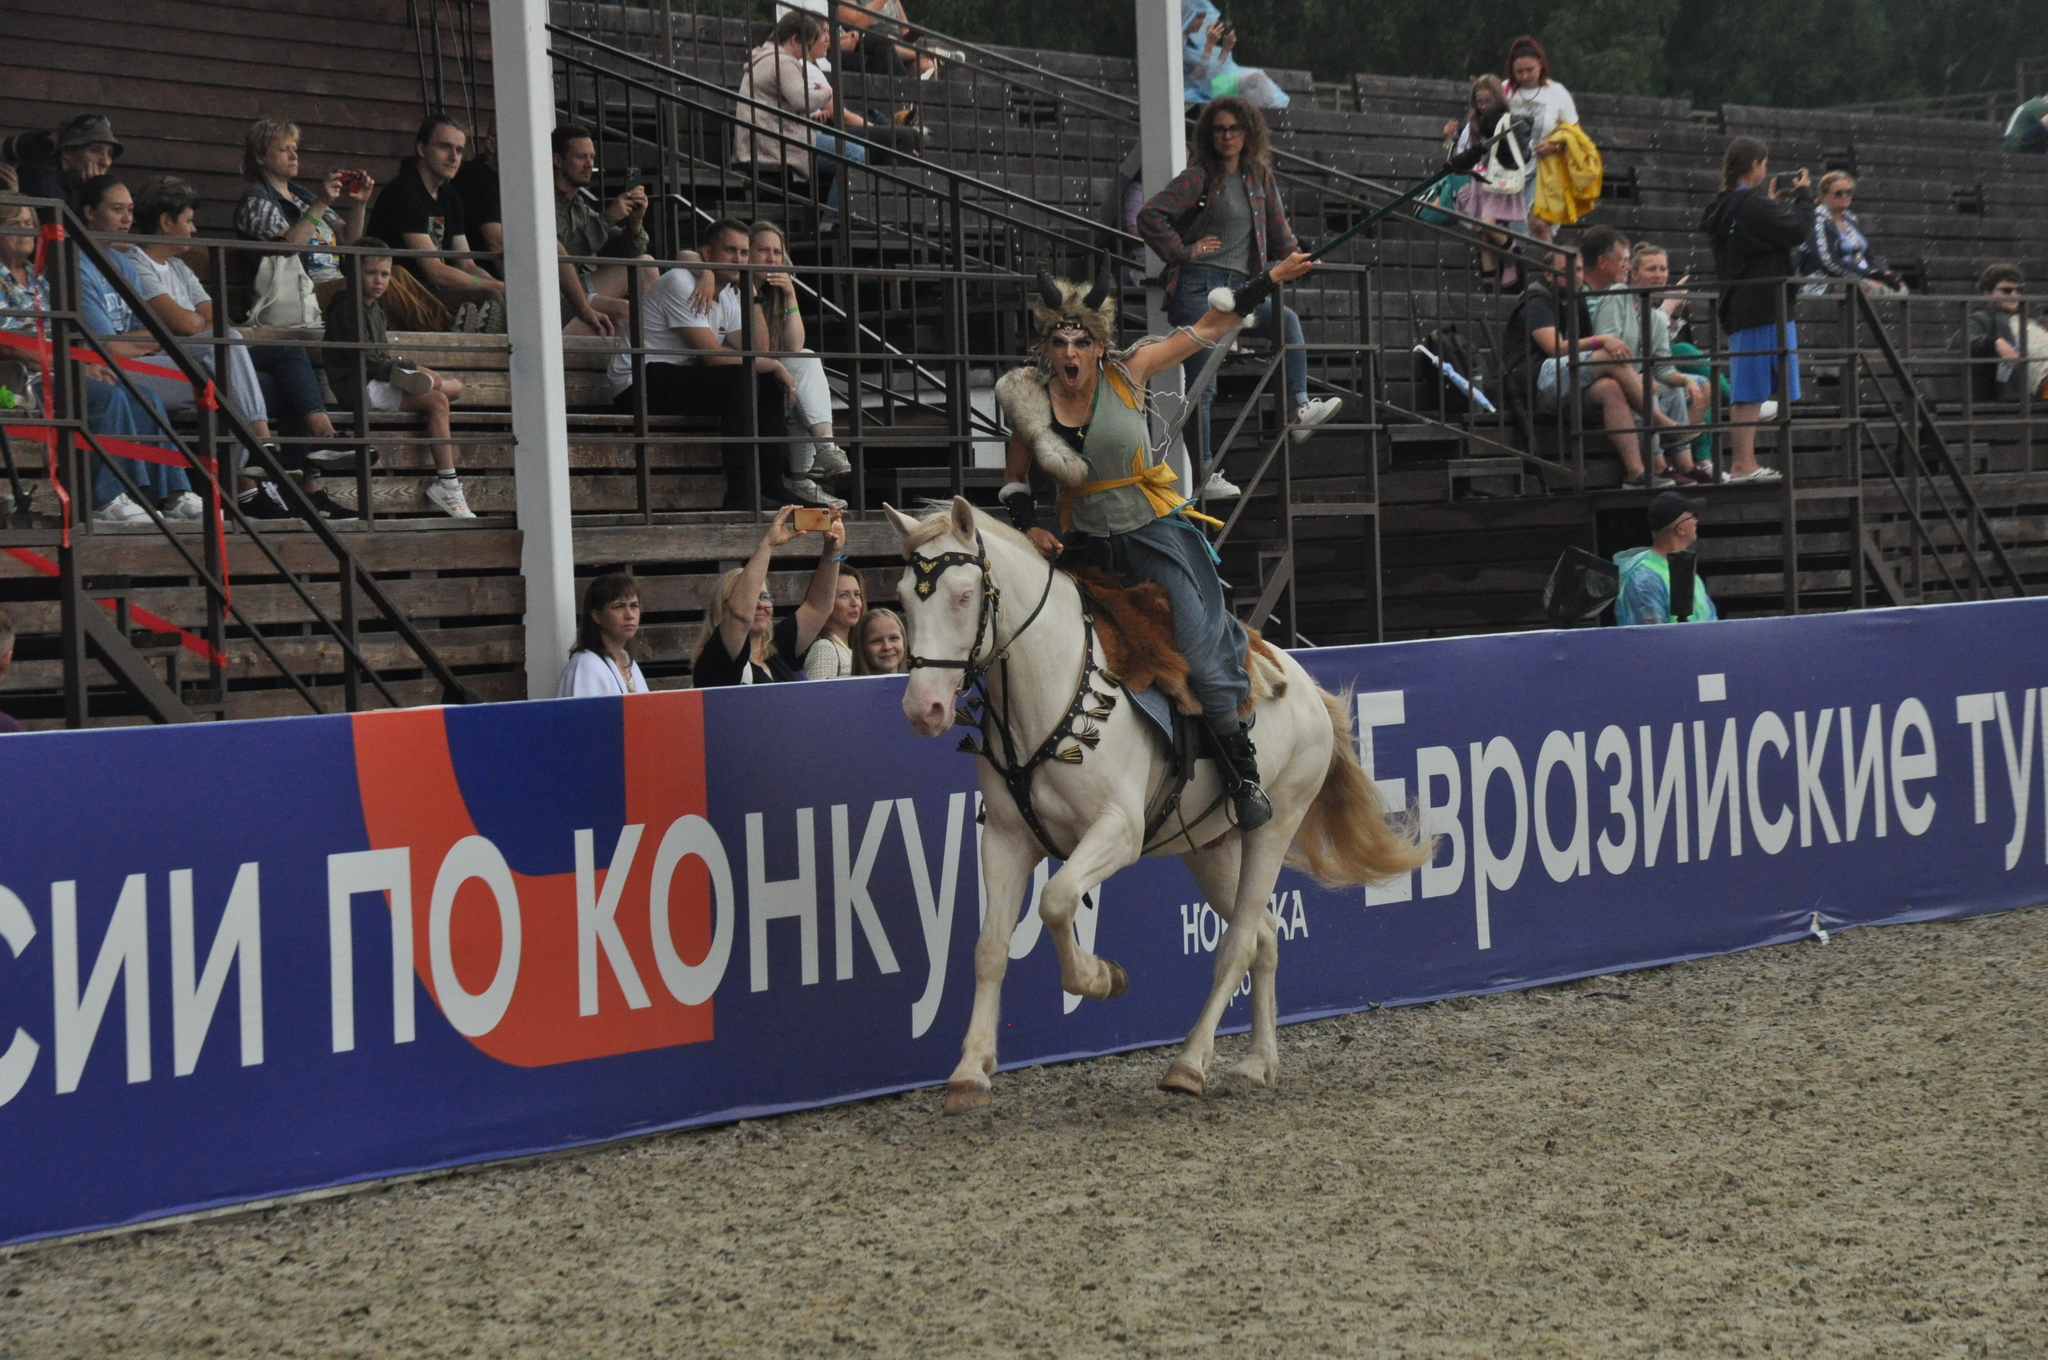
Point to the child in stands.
(393, 382)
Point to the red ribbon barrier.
(154, 622)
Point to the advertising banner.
(246, 959)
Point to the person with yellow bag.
(1566, 184)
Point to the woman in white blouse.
(831, 656)
(1546, 103)
(602, 662)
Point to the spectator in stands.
(111, 410)
(1208, 64)
(2026, 129)
(1837, 246)
(1546, 103)
(1536, 361)
(420, 210)
(1992, 336)
(1754, 236)
(57, 165)
(822, 456)
(878, 643)
(776, 76)
(275, 208)
(1499, 174)
(165, 206)
(21, 287)
(694, 369)
(1674, 521)
(8, 723)
(831, 656)
(476, 184)
(601, 662)
(876, 37)
(742, 644)
(1219, 223)
(594, 296)
(393, 382)
(1619, 312)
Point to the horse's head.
(942, 601)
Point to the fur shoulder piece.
(1028, 407)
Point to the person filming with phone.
(742, 642)
(594, 295)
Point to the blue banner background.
(93, 808)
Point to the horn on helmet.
(1049, 290)
(1097, 293)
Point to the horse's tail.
(1347, 836)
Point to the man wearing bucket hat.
(1646, 573)
(57, 165)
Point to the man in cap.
(1674, 520)
(57, 166)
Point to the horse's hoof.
(1119, 980)
(1183, 1078)
(1242, 1081)
(962, 1096)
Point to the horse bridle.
(926, 572)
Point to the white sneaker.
(1312, 413)
(1767, 412)
(804, 491)
(183, 506)
(446, 496)
(407, 378)
(1757, 477)
(830, 461)
(1220, 488)
(120, 510)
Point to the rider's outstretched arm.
(1147, 360)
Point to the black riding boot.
(1238, 762)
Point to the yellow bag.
(1568, 184)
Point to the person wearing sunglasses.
(1838, 248)
(1992, 335)
(1220, 223)
(742, 644)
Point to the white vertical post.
(1162, 133)
(525, 102)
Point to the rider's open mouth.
(1072, 371)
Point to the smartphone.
(632, 180)
(808, 520)
(353, 181)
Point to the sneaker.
(263, 502)
(121, 510)
(407, 378)
(445, 494)
(1704, 473)
(1220, 488)
(1643, 481)
(1767, 412)
(830, 461)
(329, 507)
(184, 507)
(1310, 414)
(465, 319)
(1760, 476)
(344, 460)
(804, 491)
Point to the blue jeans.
(109, 410)
(828, 165)
(1174, 553)
(1190, 300)
(292, 392)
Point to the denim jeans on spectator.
(1190, 301)
(830, 182)
(240, 387)
(110, 411)
(291, 390)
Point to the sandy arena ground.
(1812, 1150)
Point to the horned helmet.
(1066, 306)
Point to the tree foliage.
(1790, 53)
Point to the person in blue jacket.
(1646, 572)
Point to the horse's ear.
(904, 523)
(963, 519)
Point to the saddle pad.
(1155, 709)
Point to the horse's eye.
(964, 597)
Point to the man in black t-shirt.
(477, 184)
(1992, 336)
(421, 210)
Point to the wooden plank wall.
(183, 79)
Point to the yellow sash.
(1156, 481)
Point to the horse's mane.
(938, 522)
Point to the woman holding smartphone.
(742, 643)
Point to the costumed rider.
(1081, 412)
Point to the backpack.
(1450, 375)
(1507, 165)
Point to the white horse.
(981, 601)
